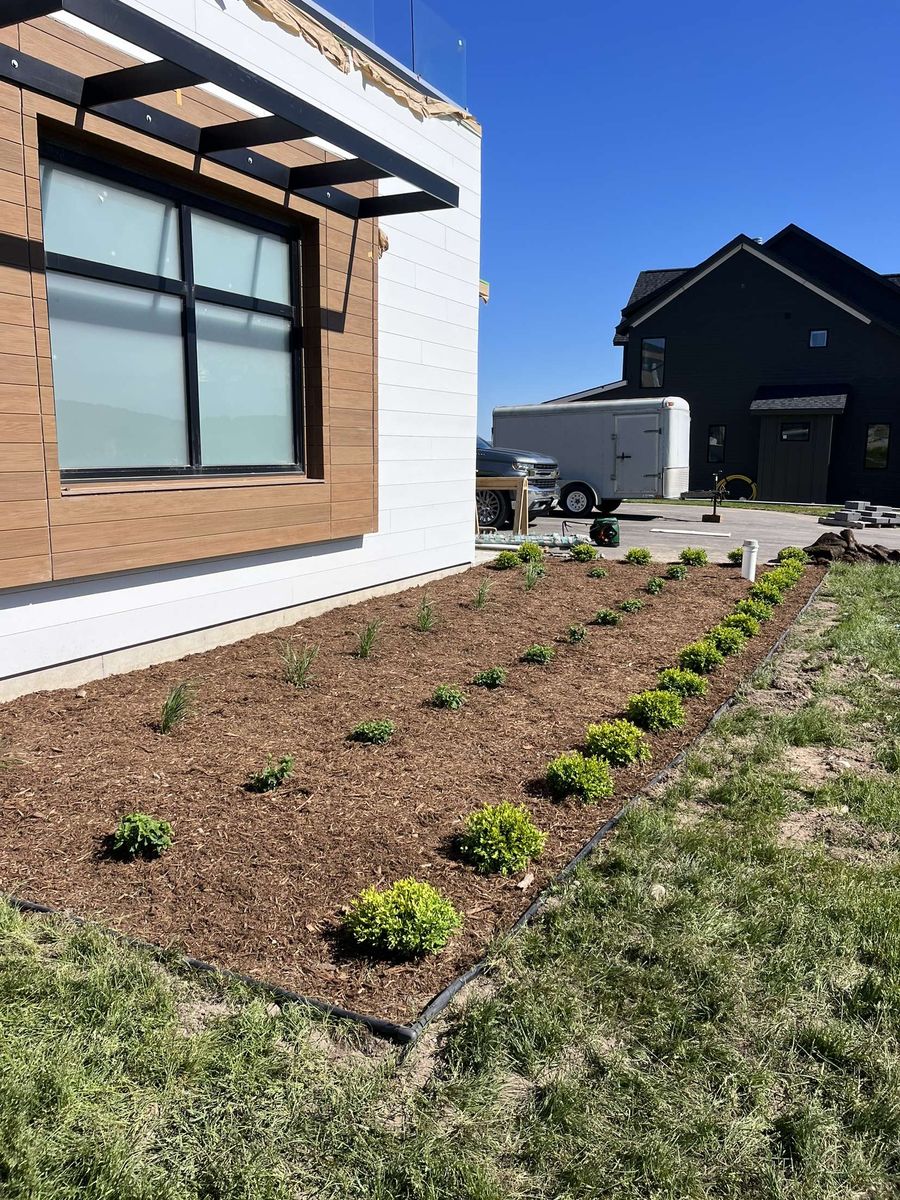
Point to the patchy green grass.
(811, 510)
(710, 1010)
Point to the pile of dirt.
(843, 547)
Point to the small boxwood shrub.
(631, 606)
(694, 556)
(272, 775)
(703, 656)
(743, 623)
(576, 633)
(736, 556)
(792, 552)
(531, 552)
(619, 743)
(639, 556)
(407, 919)
(538, 654)
(655, 585)
(572, 774)
(607, 616)
(757, 609)
(682, 682)
(501, 838)
(677, 571)
(139, 833)
(656, 710)
(446, 696)
(373, 733)
(786, 576)
(584, 552)
(490, 677)
(766, 591)
(505, 560)
(726, 639)
(597, 572)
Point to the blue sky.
(620, 137)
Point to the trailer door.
(637, 449)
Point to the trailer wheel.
(493, 508)
(608, 506)
(577, 500)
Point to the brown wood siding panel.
(21, 485)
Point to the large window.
(715, 444)
(878, 438)
(173, 327)
(653, 362)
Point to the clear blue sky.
(621, 136)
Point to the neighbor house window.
(818, 338)
(877, 442)
(715, 445)
(795, 431)
(173, 329)
(653, 361)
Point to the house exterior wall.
(746, 325)
(393, 496)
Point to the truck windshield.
(483, 443)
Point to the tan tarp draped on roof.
(342, 56)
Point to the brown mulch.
(257, 883)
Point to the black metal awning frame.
(180, 63)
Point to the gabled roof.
(594, 393)
(649, 282)
(799, 399)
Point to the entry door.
(794, 454)
(636, 466)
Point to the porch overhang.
(180, 62)
(802, 402)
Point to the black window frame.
(807, 424)
(662, 372)
(867, 466)
(824, 345)
(709, 442)
(187, 200)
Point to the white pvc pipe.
(748, 562)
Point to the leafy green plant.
(583, 552)
(597, 573)
(446, 696)
(677, 571)
(139, 833)
(682, 682)
(407, 919)
(534, 572)
(726, 639)
(620, 743)
(743, 623)
(786, 576)
(656, 710)
(176, 706)
(298, 663)
(792, 552)
(506, 560)
(631, 606)
(694, 556)
(538, 654)
(607, 616)
(655, 585)
(531, 552)
(573, 774)
(768, 592)
(702, 657)
(490, 677)
(272, 775)
(576, 633)
(480, 598)
(425, 615)
(638, 556)
(757, 609)
(736, 556)
(374, 733)
(365, 642)
(501, 838)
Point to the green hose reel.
(605, 531)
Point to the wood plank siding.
(51, 529)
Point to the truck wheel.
(577, 500)
(493, 508)
(608, 506)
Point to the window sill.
(118, 486)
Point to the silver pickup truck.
(495, 507)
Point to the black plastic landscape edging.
(406, 1035)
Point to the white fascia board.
(769, 262)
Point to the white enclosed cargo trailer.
(607, 450)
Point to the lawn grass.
(810, 510)
(707, 1010)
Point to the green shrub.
(538, 654)
(531, 552)
(743, 623)
(139, 833)
(703, 656)
(272, 775)
(480, 598)
(175, 707)
(597, 573)
(769, 593)
(407, 919)
(655, 585)
(365, 642)
(426, 618)
(298, 663)
(534, 571)
(792, 552)
(620, 743)
(607, 616)
(736, 555)
(638, 556)
(694, 556)
(726, 639)
(505, 560)
(583, 552)
(757, 609)
(576, 633)
(677, 571)
(373, 733)
(656, 710)
(784, 577)
(446, 696)
(501, 838)
(490, 677)
(682, 682)
(572, 774)
(631, 606)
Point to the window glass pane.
(237, 258)
(118, 374)
(246, 416)
(818, 338)
(795, 431)
(877, 443)
(653, 356)
(716, 444)
(108, 223)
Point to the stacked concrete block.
(858, 514)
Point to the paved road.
(667, 528)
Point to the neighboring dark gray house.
(788, 353)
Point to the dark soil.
(257, 882)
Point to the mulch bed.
(257, 883)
